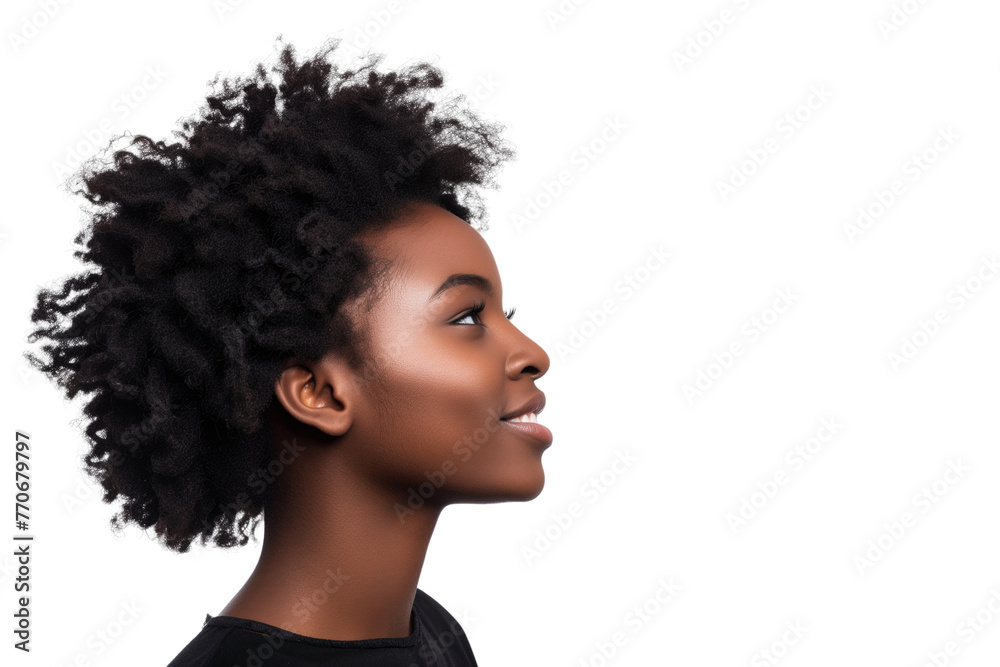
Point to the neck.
(343, 567)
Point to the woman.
(291, 319)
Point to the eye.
(478, 308)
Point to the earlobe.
(313, 394)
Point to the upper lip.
(534, 404)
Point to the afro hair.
(214, 259)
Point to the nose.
(526, 357)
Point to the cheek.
(434, 399)
(446, 393)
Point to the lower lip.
(533, 429)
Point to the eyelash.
(479, 307)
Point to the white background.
(616, 384)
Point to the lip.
(533, 429)
(535, 404)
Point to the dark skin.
(440, 384)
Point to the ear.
(319, 394)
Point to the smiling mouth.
(528, 417)
(528, 424)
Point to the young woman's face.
(428, 419)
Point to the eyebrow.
(456, 279)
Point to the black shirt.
(437, 640)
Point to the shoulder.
(432, 609)
(443, 634)
(209, 648)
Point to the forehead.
(428, 244)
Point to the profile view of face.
(429, 416)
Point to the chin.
(509, 483)
(522, 487)
(530, 495)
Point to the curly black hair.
(218, 257)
